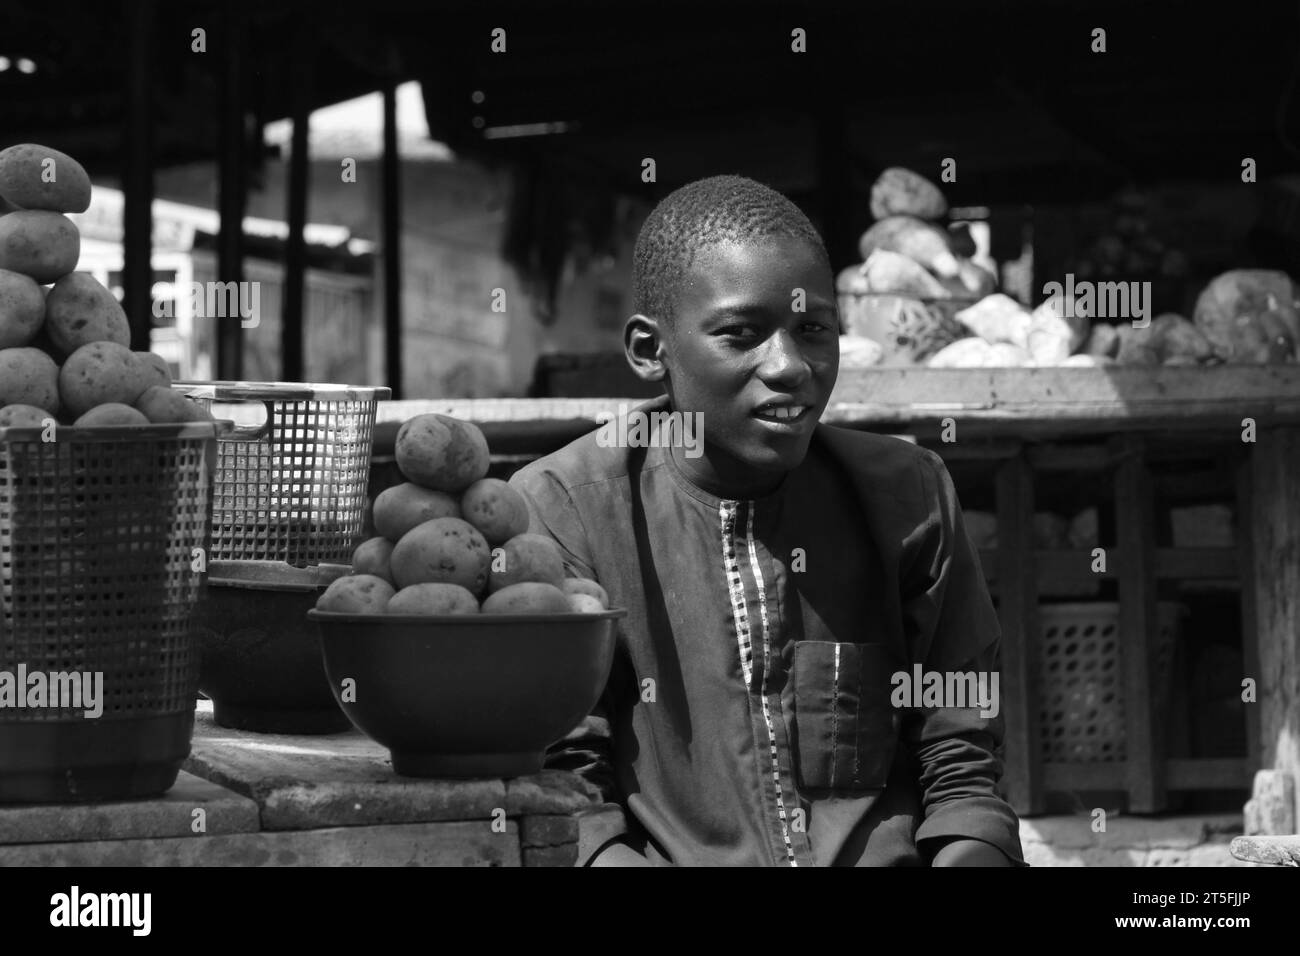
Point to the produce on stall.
(450, 537)
(923, 299)
(459, 643)
(103, 504)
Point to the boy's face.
(739, 352)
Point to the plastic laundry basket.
(100, 535)
(292, 478)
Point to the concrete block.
(171, 815)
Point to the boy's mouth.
(782, 413)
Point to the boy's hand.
(970, 853)
(619, 854)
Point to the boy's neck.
(725, 478)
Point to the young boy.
(777, 576)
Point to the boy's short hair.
(701, 214)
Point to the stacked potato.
(450, 537)
(65, 351)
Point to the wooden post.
(1017, 590)
(1245, 514)
(392, 242)
(230, 243)
(1275, 522)
(295, 249)
(137, 176)
(1138, 627)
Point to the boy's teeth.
(783, 411)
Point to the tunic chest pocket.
(847, 730)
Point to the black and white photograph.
(681, 435)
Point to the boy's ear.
(643, 344)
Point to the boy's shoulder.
(887, 458)
(584, 461)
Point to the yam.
(405, 506)
(165, 406)
(356, 594)
(39, 244)
(1248, 315)
(29, 377)
(23, 416)
(79, 310)
(374, 557)
(915, 239)
(899, 191)
(22, 309)
(497, 510)
(528, 597)
(98, 373)
(526, 557)
(585, 586)
(38, 177)
(433, 599)
(111, 413)
(892, 272)
(442, 453)
(444, 550)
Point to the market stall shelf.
(249, 799)
(343, 786)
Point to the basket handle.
(247, 433)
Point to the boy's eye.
(738, 331)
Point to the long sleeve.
(952, 628)
(586, 750)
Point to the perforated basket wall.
(1081, 679)
(97, 542)
(297, 492)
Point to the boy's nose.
(783, 361)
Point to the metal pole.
(392, 240)
(295, 251)
(230, 243)
(137, 176)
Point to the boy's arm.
(586, 750)
(953, 628)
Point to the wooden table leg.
(1018, 611)
(1138, 627)
(1275, 525)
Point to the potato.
(22, 309)
(156, 366)
(39, 244)
(98, 373)
(900, 191)
(584, 604)
(29, 377)
(442, 453)
(110, 413)
(402, 507)
(37, 177)
(444, 550)
(372, 557)
(166, 406)
(356, 594)
(572, 586)
(79, 311)
(433, 599)
(526, 557)
(7, 207)
(497, 510)
(23, 416)
(528, 597)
